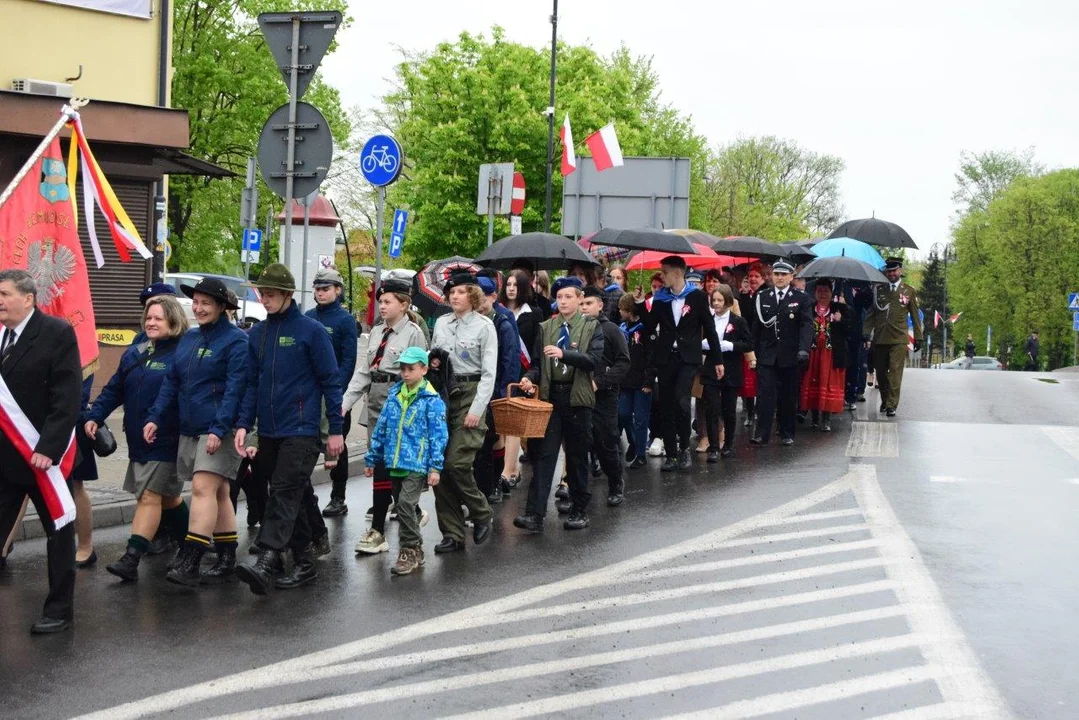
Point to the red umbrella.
(705, 259)
(429, 283)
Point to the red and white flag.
(936, 319)
(24, 436)
(955, 317)
(606, 152)
(569, 159)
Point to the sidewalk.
(112, 506)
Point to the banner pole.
(67, 114)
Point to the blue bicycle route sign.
(381, 160)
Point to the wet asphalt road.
(916, 567)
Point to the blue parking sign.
(397, 242)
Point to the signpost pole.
(550, 117)
(250, 221)
(290, 161)
(380, 208)
(306, 228)
(490, 209)
(988, 339)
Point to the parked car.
(979, 362)
(254, 312)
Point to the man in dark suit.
(679, 319)
(39, 361)
(783, 335)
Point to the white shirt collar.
(723, 320)
(22, 326)
(895, 285)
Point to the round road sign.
(381, 160)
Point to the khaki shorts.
(156, 476)
(192, 458)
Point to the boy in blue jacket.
(410, 438)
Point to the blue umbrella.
(837, 247)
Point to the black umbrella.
(674, 241)
(842, 268)
(546, 251)
(875, 232)
(746, 246)
(798, 253)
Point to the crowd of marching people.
(629, 374)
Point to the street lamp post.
(945, 253)
(550, 118)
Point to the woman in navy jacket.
(204, 388)
(151, 472)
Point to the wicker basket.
(521, 417)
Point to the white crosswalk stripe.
(821, 607)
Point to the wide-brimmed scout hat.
(275, 276)
(214, 288)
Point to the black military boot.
(186, 571)
(303, 570)
(127, 567)
(260, 576)
(225, 567)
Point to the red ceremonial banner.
(38, 233)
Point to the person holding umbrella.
(754, 281)
(886, 326)
(783, 333)
(471, 343)
(824, 384)
(375, 373)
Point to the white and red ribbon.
(24, 436)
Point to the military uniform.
(886, 325)
(782, 335)
(472, 344)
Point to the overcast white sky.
(896, 89)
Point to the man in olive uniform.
(886, 327)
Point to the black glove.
(803, 358)
(917, 346)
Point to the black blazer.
(736, 332)
(778, 344)
(44, 375)
(528, 326)
(694, 326)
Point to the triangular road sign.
(1073, 301)
(316, 33)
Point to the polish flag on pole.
(955, 317)
(606, 152)
(936, 319)
(569, 159)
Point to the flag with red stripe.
(24, 436)
(569, 158)
(606, 152)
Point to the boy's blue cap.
(155, 290)
(413, 355)
(487, 285)
(564, 282)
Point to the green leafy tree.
(1014, 265)
(226, 78)
(983, 176)
(771, 188)
(932, 296)
(482, 99)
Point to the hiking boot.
(408, 560)
(303, 570)
(372, 543)
(224, 569)
(260, 576)
(127, 567)
(186, 571)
